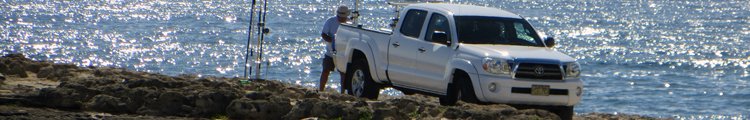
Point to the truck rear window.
(413, 23)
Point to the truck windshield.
(495, 30)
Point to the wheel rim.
(358, 83)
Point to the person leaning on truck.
(328, 33)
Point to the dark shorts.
(327, 63)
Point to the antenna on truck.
(355, 14)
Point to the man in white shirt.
(328, 33)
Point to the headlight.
(496, 66)
(573, 70)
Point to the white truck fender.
(365, 47)
(466, 65)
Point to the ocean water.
(662, 58)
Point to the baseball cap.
(342, 11)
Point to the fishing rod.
(262, 30)
(265, 31)
(249, 52)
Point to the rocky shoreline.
(46, 90)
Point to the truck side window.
(413, 23)
(522, 32)
(438, 22)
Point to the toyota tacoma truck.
(459, 52)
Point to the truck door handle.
(421, 50)
(396, 44)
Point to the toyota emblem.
(539, 70)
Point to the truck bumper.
(513, 91)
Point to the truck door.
(403, 46)
(434, 53)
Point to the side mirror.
(441, 37)
(549, 41)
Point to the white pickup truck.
(459, 52)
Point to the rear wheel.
(345, 83)
(360, 81)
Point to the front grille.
(539, 71)
(528, 91)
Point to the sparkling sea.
(663, 58)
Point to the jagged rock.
(146, 83)
(15, 56)
(106, 103)
(339, 97)
(214, 102)
(258, 95)
(311, 107)
(485, 112)
(168, 103)
(405, 108)
(16, 68)
(60, 98)
(45, 72)
(136, 97)
(13, 113)
(80, 86)
(257, 109)
(65, 66)
(534, 114)
(35, 67)
(154, 82)
(311, 94)
(4, 67)
(117, 90)
(53, 73)
(2, 78)
(389, 114)
(292, 92)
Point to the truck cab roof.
(466, 10)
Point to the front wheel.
(565, 112)
(360, 81)
(451, 96)
(467, 89)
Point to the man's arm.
(326, 37)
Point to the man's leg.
(324, 79)
(327, 68)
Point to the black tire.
(565, 112)
(345, 83)
(467, 89)
(360, 81)
(452, 95)
(408, 92)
